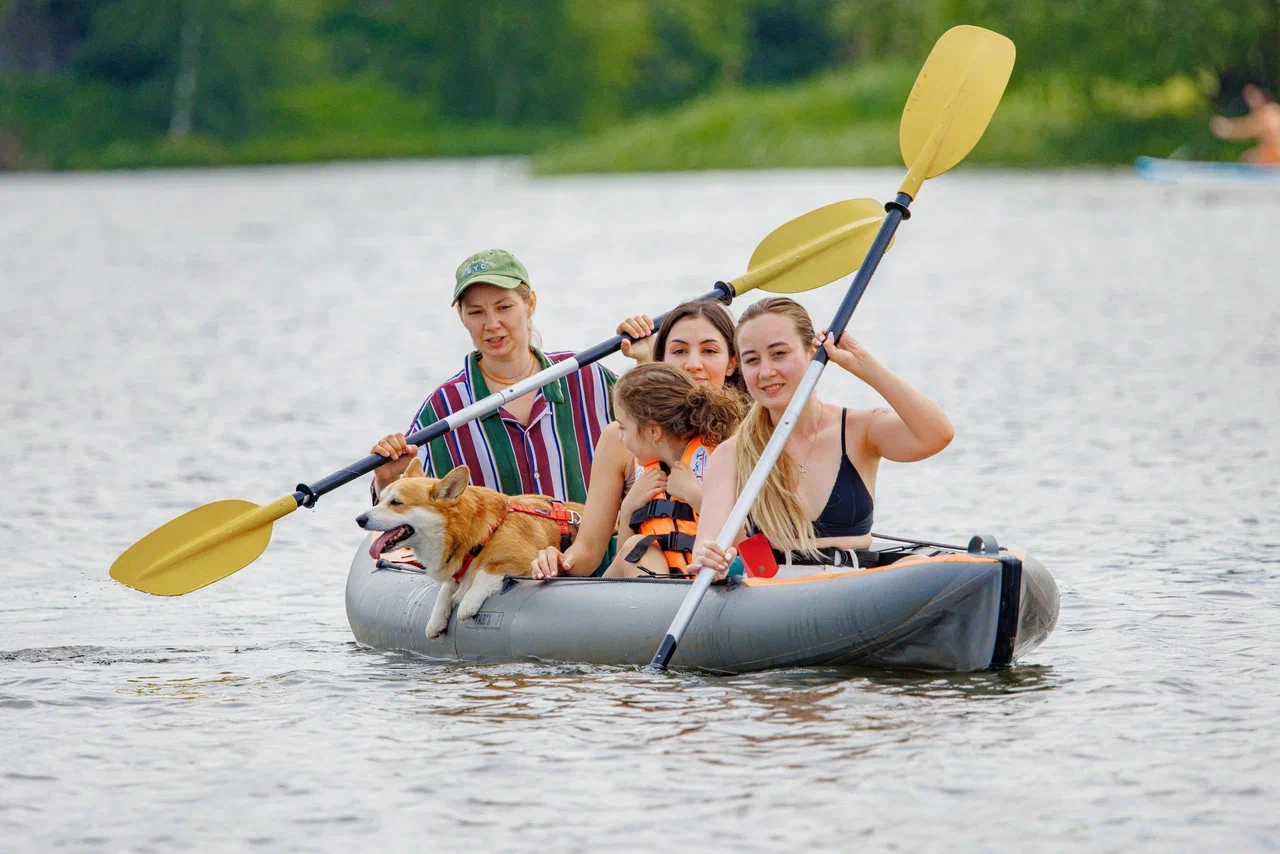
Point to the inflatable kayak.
(1203, 171)
(909, 605)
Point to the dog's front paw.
(467, 612)
(436, 628)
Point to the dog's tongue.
(380, 544)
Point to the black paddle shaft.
(307, 495)
(897, 211)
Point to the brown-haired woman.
(820, 494)
(696, 337)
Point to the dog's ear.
(414, 469)
(450, 487)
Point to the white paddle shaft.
(782, 432)
(485, 405)
(747, 497)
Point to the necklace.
(822, 414)
(507, 380)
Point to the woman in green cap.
(541, 443)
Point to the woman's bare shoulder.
(722, 454)
(858, 424)
(860, 419)
(609, 448)
(610, 440)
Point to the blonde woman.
(540, 443)
(820, 496)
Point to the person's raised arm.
(640, 327)
(1245, 127)
(915, 429)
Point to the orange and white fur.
(443, 520)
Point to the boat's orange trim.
(914, 560)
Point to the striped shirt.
(551, 456)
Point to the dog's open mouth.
(389, 540)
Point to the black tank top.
(849, 507)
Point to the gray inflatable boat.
(909, 605)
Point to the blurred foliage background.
(603, 84)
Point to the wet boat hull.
(929, 609)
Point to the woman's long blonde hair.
(778, 511)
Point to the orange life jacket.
(667, 522)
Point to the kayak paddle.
(211, 542)
(947, 111)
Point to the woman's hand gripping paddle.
(950, 105)
(211, 542)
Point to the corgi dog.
(465, 537)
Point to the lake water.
(1107, 349)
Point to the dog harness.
(564, 518)
(669, 523)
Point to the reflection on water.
(1107, 350)
(188, 688)
(977, 686)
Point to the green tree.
(788, 40)
(1144, 41)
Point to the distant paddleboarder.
(1262, 124)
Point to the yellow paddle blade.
(813, 250)
(200, 547)
(952, 101)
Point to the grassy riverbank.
(847, 118)
(78, 127)
(851, 118)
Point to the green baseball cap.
(492, 267)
